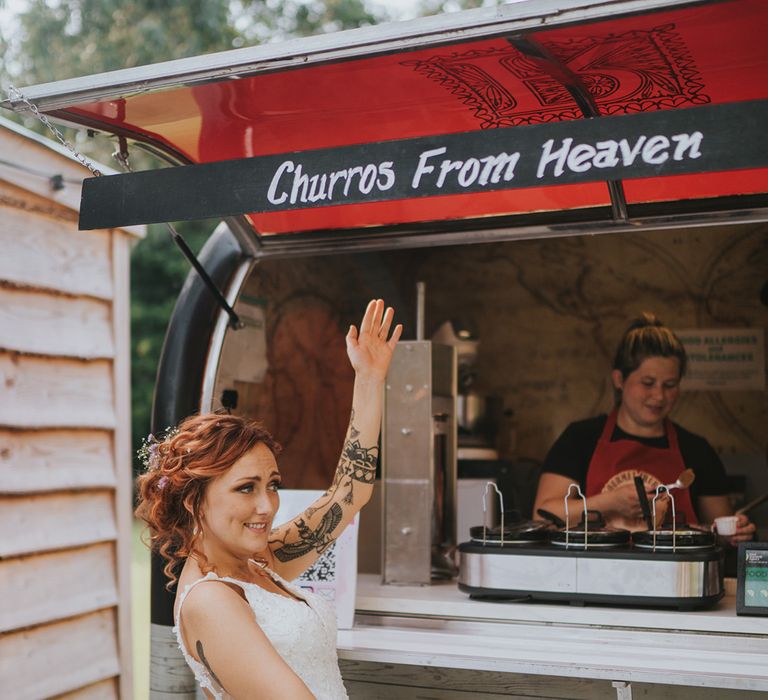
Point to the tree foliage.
(78, 37)
(59, 39)
(158, 271)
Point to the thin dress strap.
(202, 674)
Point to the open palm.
(369, 349)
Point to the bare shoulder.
(221, 632)
(213, 600)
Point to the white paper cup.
(726, 525)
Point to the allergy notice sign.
(722, 359)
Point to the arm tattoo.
(204, 661)
(358, 464)
(318, 539)
(353, 432)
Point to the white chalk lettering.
(285, 167)
(292, 183)
(307, 187)
(689, 142)
(493, 165)
(579, 158)
(300, 182)
(317, 187)
(357, 170)
(628, 154)
(385, 171)
(469, 172)
(445, 167)
(655, 150)
(559, 156)
(606, 154)
(338, 175)
(422, 168)
(368, 179)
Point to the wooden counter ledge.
(437, 640)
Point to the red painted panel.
(447, 208)
(676, 59)
(681, 187)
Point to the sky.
(399, 9)
(403, 9)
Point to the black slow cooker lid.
(687, 537)
(597, 533)
(524, 531)
(603, 536)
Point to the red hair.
(171, 491)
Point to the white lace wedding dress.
(303, 634)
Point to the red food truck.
(478, 153)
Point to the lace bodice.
(304, 635)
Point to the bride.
(209, 495)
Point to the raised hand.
(298, 543)
(369, 349)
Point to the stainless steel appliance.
(538, 563)
(419, 464)
(477, 415)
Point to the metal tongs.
(659, 490)
(567, 515)
(485, 510)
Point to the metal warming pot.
(593, 564)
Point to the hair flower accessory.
(152, 447)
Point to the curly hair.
(171, 491)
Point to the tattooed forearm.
(357, 463)
(318, 539)
(204, 661)
(353, 432)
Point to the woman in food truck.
(604, 454)
(209, 496)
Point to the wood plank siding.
(51, 659)
(65, 463)
(51, 460)
(60, 584)
(53, 521)
(105, 690)
(40, 323)
(52, 254)
(55, 392)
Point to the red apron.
(666, 464)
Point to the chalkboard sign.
(670, 142)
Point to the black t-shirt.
(572, 452)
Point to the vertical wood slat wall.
(65, 462)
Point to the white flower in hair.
(152, 448)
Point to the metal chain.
(13, 91)
(121, 154)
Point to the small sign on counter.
(723, 359)
(752, 579)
